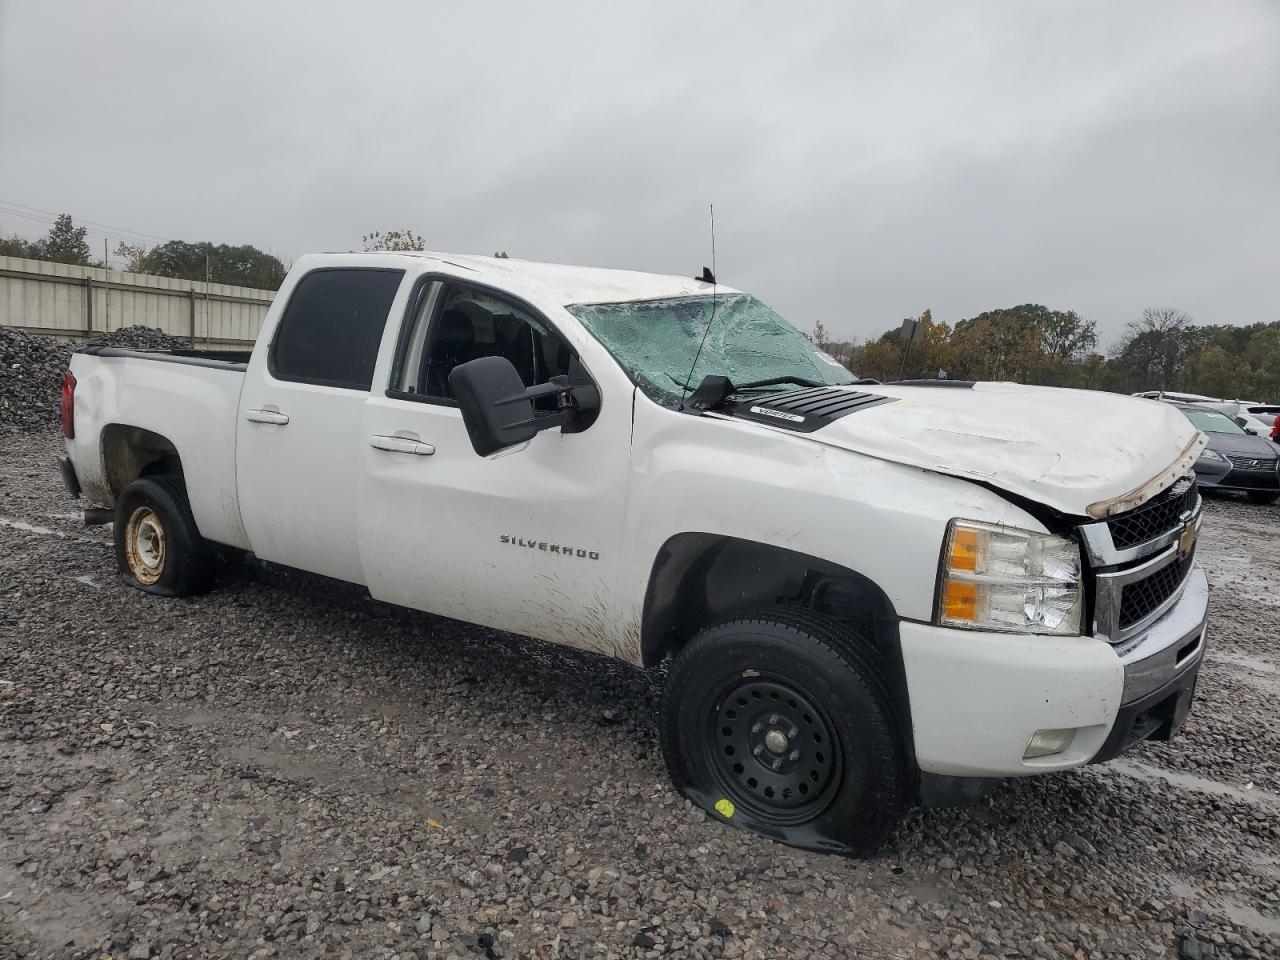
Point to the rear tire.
(1263, 496)
(783, 723)
(158, 548)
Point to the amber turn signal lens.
(960, 600)
(964, 550)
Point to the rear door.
(300, 420)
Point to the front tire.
(158, 548)
(1263, 496)
(782, 723)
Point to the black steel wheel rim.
(773, 749)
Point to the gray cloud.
(865, 163)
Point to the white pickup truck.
(866, 594)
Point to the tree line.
(244, 265)
(1163, 349)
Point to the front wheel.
(158, 548)
(1263, 496)
(783, 723)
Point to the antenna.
(684, 387)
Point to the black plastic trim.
(956, 384)
(69, 478)
(806, 410)
(101, 350)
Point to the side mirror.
(498, 408)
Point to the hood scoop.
(805, 411)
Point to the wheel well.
(132, 452)
(699, 579)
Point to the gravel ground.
(287, 768)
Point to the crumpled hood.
(1081, 452)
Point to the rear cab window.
(332, 327)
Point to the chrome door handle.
(266, 416)
(402, 445)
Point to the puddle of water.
(1180, 778)
(1249, 917)
(1243, 660)
(46, 531)
(1237, 913)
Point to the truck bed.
(189, 398)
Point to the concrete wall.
(74, 302)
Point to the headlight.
(1207, 454)
(1002, 578)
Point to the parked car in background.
(1268, 414)
(1174, 397)
(1234, 459)
(1254, 425)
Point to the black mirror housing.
(494, 407)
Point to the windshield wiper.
(777, 381)
(754, 384)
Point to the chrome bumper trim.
(1166, 650)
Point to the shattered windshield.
(656, 340)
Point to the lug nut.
(795, 755)
(755, 728)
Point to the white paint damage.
(1082, 452)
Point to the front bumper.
(978, 698)
(1160, 671)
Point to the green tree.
(15, 246)
(1154, 350)
(393, 240)
(134, 256)
(244, 266)
(65, 243)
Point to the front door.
(300, 420)
(525, 540)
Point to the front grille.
(1252, 463)
(1158, 515)
(1139, 599)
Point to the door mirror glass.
(497, 408)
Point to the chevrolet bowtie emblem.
(1187, 542)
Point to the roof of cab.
(571, 284)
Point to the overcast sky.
(864, 163)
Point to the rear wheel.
(158, 548)
(782, 723)
(1264, 496)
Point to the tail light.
(68, 405)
